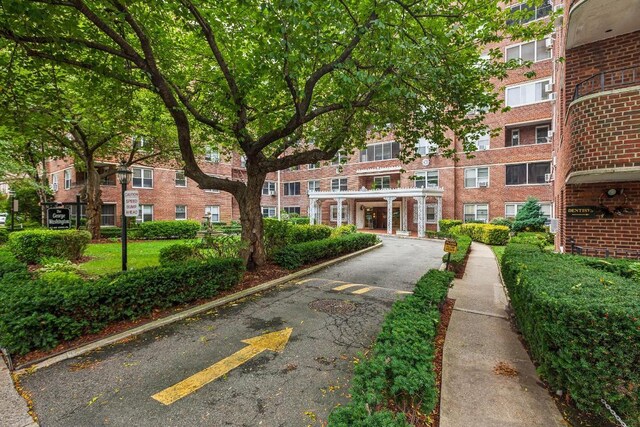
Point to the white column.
(389, 214)
(439, 213)
(312, 211)
(339, 200)
(403, 217)
(420, 200)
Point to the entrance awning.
(378, 194)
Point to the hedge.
(582, 326)
(168, 229)
(4, 236)
(400, 371)
(446, 224)
(456, 262)
(39, 314)
(278, 234)
(485, 233)
(31, 245)
(297, 255)
(10, 265)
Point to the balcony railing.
(608, 80)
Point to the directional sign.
(58, 218)
(131, 202)
(450, 246)
(274, 341)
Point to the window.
(141, 143)
(181, 180)
(532, 12)
(291, 188)
(427, 179)
(314, 165)
(542, 134)
(527, 173)
(108, 215)
(382, 182)
(430, 212)
(339, 184)
(269, 188)
(269, 212)
(181, 212)
(528, 93)
(211, 154)
(340, 157)
(383, 151)
(67, 179)
(425, 147)
(333, 211)
(145, 213)
(481, 141)
(142, 178)
(476, 177)
(314, 186)
(515, 138)
(476, 212)
(292, 209)
(243, 161)
(511, 209)
(532, 51)
(54, 181)
(212, 213)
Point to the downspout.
(279, 190)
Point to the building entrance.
(376, 218)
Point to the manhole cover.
(332, 306)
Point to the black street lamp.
(124, 177)
(12, 194)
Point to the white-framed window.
(512, 209)
(292, 209)
(141, 143)
(314, 165)
(181, 179)
(181, 212)
(430, 213)
(142, 178)
(340, 158)
(382, 181)
(380, 151)
(542, 134)
(534, 12)
(339, 184)
(211, 154)
(428, 178)
(212, 212)
(424, 147)
(514, 139)
(528, 93)
(269, 212)
(476, 177)
(527, 173)
(314, 186)
(476, 212)
(108, 215)
(145, 213)
(534, 51)
(269, 188)
(54, 182)
(243, 161)
(67, 179)
(333, 213)
(481, 141)
(292, 188)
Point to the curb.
(188, 313)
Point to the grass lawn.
(107, 258)
(498, 250)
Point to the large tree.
(284, 82)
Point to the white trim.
(527, 83)
(535, 50)
(142, 177)
(186, 214)
(464, 176)
(175, 179)
(375, 194)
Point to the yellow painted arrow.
(274, 341)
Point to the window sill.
(527, 185)
(531, 103)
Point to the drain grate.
(332, 306)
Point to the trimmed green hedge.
(278, 234)
(4, 236)
(40, 314)
(582, 326)
(446, 224)
(10, 265)
(31, 245)
(400, 371)
(168, 229)
(456, 263)
(485, 233)
(294, 256)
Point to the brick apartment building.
(572, 134)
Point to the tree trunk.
(93, 196)
(251, 219)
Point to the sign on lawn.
(58, 218)
(131, 202)
(450, 246)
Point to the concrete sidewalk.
(13, 408)
(479, 388)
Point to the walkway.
(487, 376)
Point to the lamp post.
(12, 194)
(124, 177)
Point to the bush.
(180, 252)
(446, 224)
(529, 217)
(168, 229)
(502, 221)
(344, 230)
(294, 256)
(457, 260)
(9, 264)
(39, 314)
(4, 236)
(485, 233)
(307, 233)
(31, 245)
(111, 232)
(278, 234)
(221, 246)
(581, 325)
(536, 239)
(400, 371)
(299, 220)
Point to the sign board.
(582, 211)
(58, 218)
(450, 246)
(131, 202)
(15, 205)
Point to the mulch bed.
(445, 317)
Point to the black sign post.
(58, 218)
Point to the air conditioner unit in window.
(54, 186)
(483, 184)
(272, 193)
(553, 225)
(547, 177)
(548, 43)
(552, 96)
(550, 133)
(548, 87)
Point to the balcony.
(608, 80)
(594, 20)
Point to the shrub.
(168, 229)
(221, 246)
(439, 234)
(31, 245)
(111, 232)
(485, 233)
(529, 217)
(457, 260)
(400, 371)
(275, 234)
(9, 264)
(581, 325)
(39, 314)
(180, 252)
(294, 256)
(307, 233)
(4, 236)
(299, 220)
(446, 224)
(344, 230)
(502, 221)
(536, 239)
